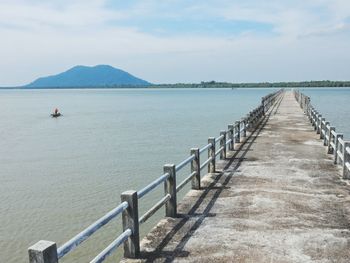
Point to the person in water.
(56, 111)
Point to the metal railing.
(47, 252)
(333, 140)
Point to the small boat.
(55, 115)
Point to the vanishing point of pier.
(279, 192)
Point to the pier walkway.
(279, 198)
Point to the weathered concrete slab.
(279, 199)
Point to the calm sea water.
(334, 105)
(59, 175)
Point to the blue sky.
(176, 40)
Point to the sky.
(177, 41)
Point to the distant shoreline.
(211, 84)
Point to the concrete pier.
(277, 198)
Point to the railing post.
(231, 145)
(336, 144)
(170, 188)
(326, 131)
(195, 167)
(346, 156)
(223, 144)
(318, 125)
(254, 118)
(316, 121)
(313, 118)
(263, 104)
(237, 132)
(211, 154)
(244, 121)
(43, 252)
(311, 115)
(251, 123)
(130, 218)
(247, 120)
(322, 127)
(331, 138)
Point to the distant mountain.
(82, 76)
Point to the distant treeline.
(214, 84)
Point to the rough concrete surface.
(279, 198)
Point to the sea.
(59, 175)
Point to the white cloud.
(310, 40)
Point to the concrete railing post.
(314, 120)
(195, 167)
(311, 115)
(346, 156)
(130, 218)
(263, 105)
(43, 252)
(318, 127)
(237, 132)
(322, 127)
(231, 145)
(326, 133)
(170, 188)
(331, 139)
(247, 119)
(336, 148)
(211, 154)
(252, 120)
(244, 122)
(223, 145)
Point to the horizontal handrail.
(87, 232)
(219, 138)
(203, 149)
(341, 141)
(228, 141)
(113, 246)
(185, 181)
(184, 162)
(205, 163)
(334, 133)
(348, 150)
(154, 208)
(340, 155)
(152, 185)
(219, 151)
(347, 165)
